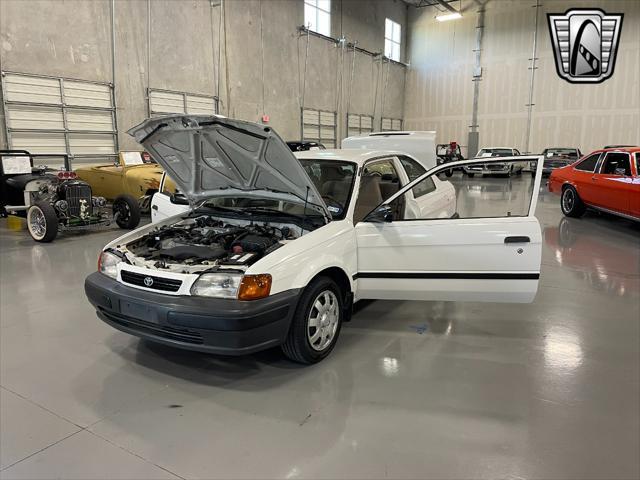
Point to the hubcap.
(322, 324)
(567, 200)
(37, 223)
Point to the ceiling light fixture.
(448, 16)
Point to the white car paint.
(439, 259)
(420, 145)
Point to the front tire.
(126, 212)
(316, 323)
(42, 222)
(571, 204)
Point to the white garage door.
(165, 102)
(358, 124)
(319, 126)
(391, 124)
(53, 115)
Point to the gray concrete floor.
(421, 390)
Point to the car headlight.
(221, 285)
(107, 264)
(232, 285)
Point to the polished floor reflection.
(413, 390)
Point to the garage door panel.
(34, 117)
(91, 144)
(38, 142)
(197, 105)
(96, 121)
(22, 88)
(82, 94)
(166, 102)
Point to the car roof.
(497, 148)
(359, 156)
(619, 149)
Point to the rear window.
(589, 163)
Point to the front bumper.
(215, 325)
(496, 169)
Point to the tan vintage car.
(133, 173)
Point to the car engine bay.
(196, 244)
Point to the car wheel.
(42, 222)
(471, 175)
(571, 204)
(126, 212)
(316, 322)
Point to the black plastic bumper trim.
(449, 275)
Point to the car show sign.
(585, 44)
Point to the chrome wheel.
(323, 320)
(37, 223)
(568, 200)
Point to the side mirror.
(382, 214)
(179, 199)
(620, 171)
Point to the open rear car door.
(489, 250)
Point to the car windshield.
(495, 152)
(556, 152)
(334, 180)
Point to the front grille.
(158, 283)
(79, 200)
(186, 336)
(495, 166)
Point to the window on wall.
(319, 126)
(317, 16)
(391, 124)
(392, 35)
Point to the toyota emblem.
(148, 281)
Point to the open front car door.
(488, 250)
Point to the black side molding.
(449, 275)
(517, 239)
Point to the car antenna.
(304, 212)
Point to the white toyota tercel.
(274, 250)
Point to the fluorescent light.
(449, 16)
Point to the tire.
(448, 173)
(300, 345)
(42, 222)
(471, 175)
(126, 212)
(571, 204)
(533, 174)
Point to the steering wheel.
(375, 173)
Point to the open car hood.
(209, 156)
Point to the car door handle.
(517, 239)
(155, 207)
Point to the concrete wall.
(248, 51)
(439, 90)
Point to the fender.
(295, 264)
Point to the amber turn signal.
(254, 287)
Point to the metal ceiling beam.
(446, 5)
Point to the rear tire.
(321, 304)
(127, 211)
(42, 222)
(571, 204)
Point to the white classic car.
(275, 250)
(496, 168)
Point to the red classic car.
(607, 180)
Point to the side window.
(638, 163)
(616, 163)
(487, 189)
(412, 167)
(425, 186)
(169, 188)
(589, 163)
(378, 182)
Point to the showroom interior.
(349, 309)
